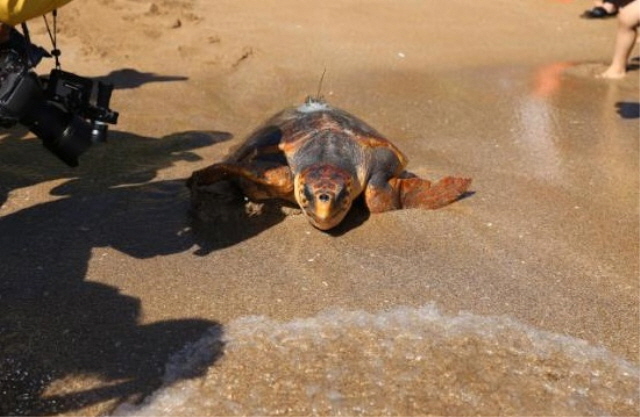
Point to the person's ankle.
(614, 73)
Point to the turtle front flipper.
(419, 193)
(414, 192)
(258, 180)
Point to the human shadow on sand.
(55, 326)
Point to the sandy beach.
(521, 299)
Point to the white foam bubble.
(403, 361)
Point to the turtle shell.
(314, 132)
(323, 158)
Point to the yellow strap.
(13, 12)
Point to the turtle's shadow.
(222, 216)
(355, 218)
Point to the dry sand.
(105, 275)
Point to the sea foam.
(405, 361)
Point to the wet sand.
(106, 275)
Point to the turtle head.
(324, 192)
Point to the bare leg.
(628, 21)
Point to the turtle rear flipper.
(414, 192)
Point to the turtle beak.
(324, 206)
(326, 210)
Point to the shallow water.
(405, 361)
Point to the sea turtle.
(323, 158)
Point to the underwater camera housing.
(67, 112)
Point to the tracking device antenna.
(324, 71)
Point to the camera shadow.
(55, 326)
(131, 78)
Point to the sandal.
(598, 13)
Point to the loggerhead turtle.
(323, 158)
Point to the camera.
(67, 112)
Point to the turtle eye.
(343, 196)
(307, 194)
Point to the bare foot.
(609, 7)
(613, 73)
